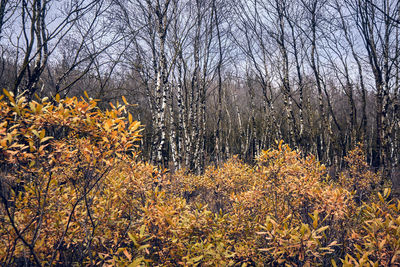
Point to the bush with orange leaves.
(376, 242)
(304, 212)
(55, 158)
(73, 193)
(297, 186)
(283, 185)
(358, 177)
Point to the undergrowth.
(74, 193)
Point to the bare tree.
(39, 28)
(377, 32)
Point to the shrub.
(73, 193)
(377, 242)
(55, 157)
(304, 214)
(358, 177)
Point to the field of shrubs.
(74, 193)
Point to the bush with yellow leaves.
(55, 157)
(377, 241)
(73, 193)
(358, 177)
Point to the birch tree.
(377, 31)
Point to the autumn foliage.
(73, 192)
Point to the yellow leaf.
(280, 145)
(86, 94)
(332, 244)
(107, 125)
(382, 244)
(130, 118)
(134, 126)
(32, 106)
(42, 134)
(38, 108)
(3, 142)
(322, 229)
(197, 259)
(136, 262)
(45, 139)
(128, 255)
(8, 94)
(315, 218)
(386, 192)
(124, 99)
(381, 198)
(35, 133)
